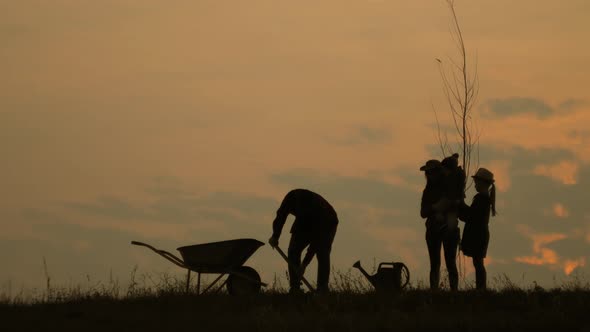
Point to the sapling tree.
(461, 87)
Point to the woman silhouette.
(438, 232)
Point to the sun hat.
(431, 164)
(484, 174)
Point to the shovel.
(294, 267)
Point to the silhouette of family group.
(442, 205)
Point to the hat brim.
(428, 168)
(483, 179)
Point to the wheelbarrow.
(223, 257)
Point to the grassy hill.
(168, 308)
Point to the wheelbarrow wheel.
(244, 281)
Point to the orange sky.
(186, 122)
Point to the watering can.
(390, 276)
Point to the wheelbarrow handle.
(163, 253)
(282, 253)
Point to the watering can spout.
(357, 265)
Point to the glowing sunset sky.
(184, 122)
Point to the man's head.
(432, 169)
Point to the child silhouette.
(476, 234)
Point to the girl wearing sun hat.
(476, 234)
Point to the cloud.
(571, 265)
(579, 136)
(111, 207)
(560, 211)
(572, 104)
(520, 158)
(171, 202)
(565, 171)
(397, 241)
(501, 108)
(500, 168)
(537, 129)
(543, 255)
(562, 181)
(357, 190)
(364, 135)
(93, 252)
(171, 210)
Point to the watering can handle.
(386, 264)
(407, 274)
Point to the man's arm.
(278, 223)
(281, 218)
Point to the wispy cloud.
(537, 127)
(572, 104)
(571, 265)
(565, 172)
(171, 201)
(507, 107)
(364, 135)
(543, 255)
(560, 211)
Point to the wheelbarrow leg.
(213, 283)
(198, 283)
(188, 280)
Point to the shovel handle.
(294, 267)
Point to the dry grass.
(160, 303)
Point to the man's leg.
(450, 243)
(296, 246)
(434, 242)
(323, 256)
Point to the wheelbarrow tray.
(218, 257)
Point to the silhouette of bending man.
(314, 226)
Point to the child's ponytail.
(493, 199)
